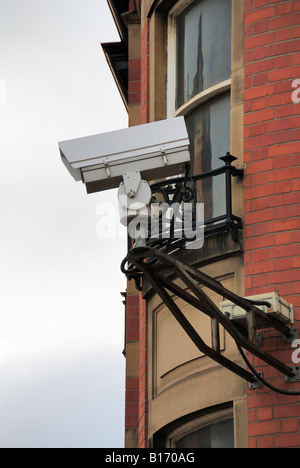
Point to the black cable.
(262, 303)
(261, 379)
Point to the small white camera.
(156, 150)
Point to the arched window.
(199, 81)
(209, 428)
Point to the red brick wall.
(134, 81)
(132, 300)
(132, 382)
(145, 74)
(143, 376)
(136, 410)
(143, 380)
(271, 198)
(136, 398)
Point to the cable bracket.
(295, 378)
(294, 335)
(257, 383)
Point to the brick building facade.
(265, 138)
(271, 195)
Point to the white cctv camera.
(156, 150)
(129, 159)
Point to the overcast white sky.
(61, 313)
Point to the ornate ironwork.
(185, 190)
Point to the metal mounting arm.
(152, 264)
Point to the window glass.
(203, 47)
(217, 435)
(209, 132)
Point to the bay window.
(199, 81)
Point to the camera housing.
(156, 150)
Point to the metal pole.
(228, 159)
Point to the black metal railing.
(167, 229)
(184, 191)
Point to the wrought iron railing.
(185, 191)
(164, 230)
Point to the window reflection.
(209, 132)
(203, 47)
(217, 435)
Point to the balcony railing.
(167, 236)
(189, 191)
(171, 229)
